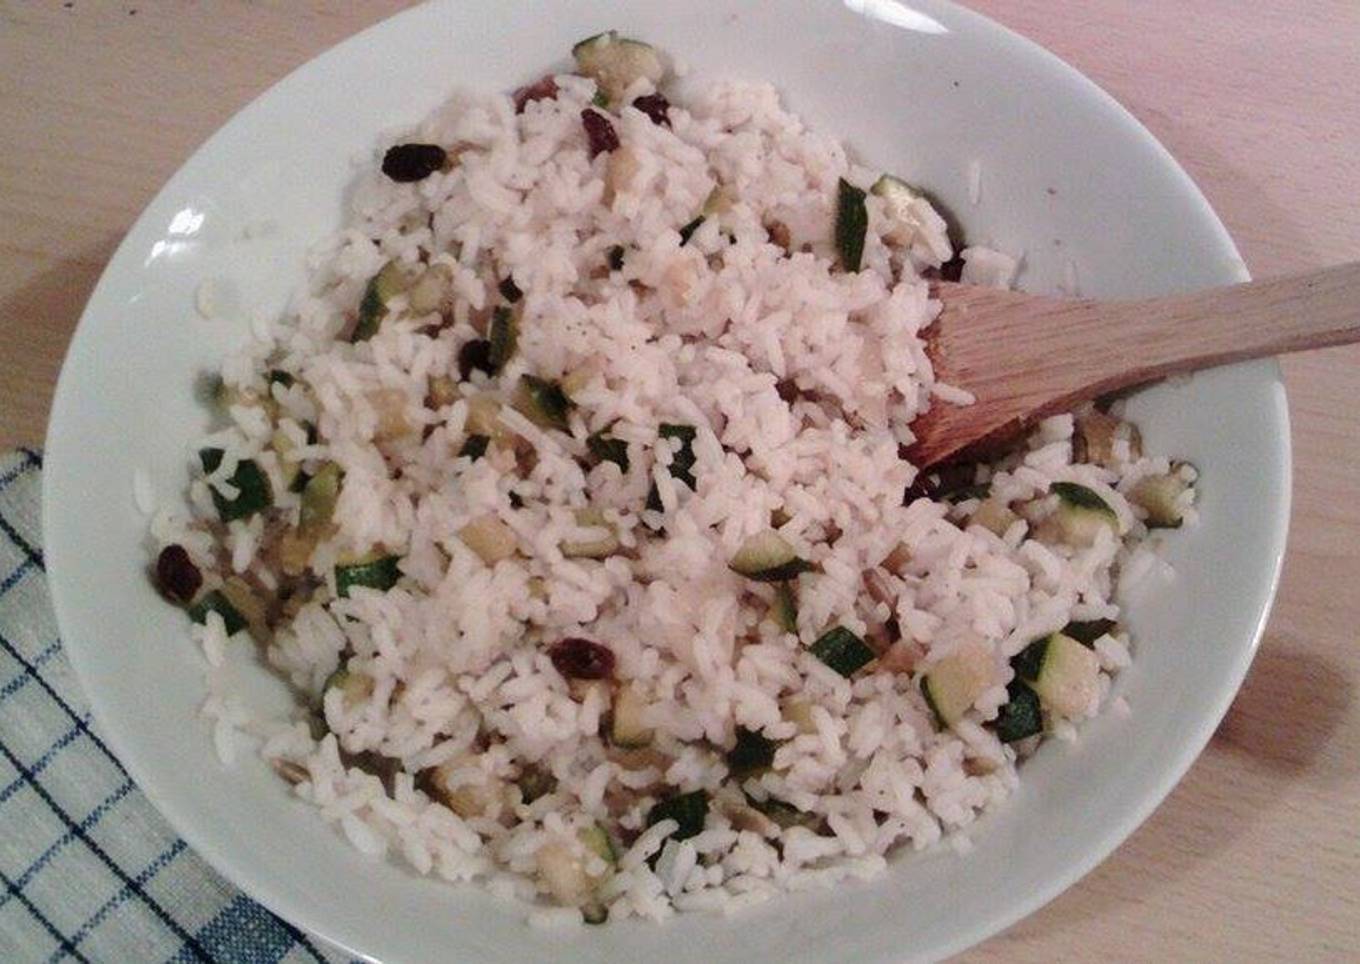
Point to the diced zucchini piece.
(976, 490)
(995, 516)
(474, 447)
(480, 799)
(253, 491)
(1095, 435)
(382, 288)
(718, 202)
(1080, 497)
(768, 557)
(483, 418)
(389, 405)
(784, 608)
(687, 809)
(295, 551)
(799, 713)
(375, 571)
(562, 872)
(216, 602)
(842, 650)
(282, 443)
(1088, 631)
(248, 603)
(952, 685)
(752, 753)
(1160, 497)
(687, 231)
(580, 376)
(785, 814)
(598, 842)
(490, 538)
(318, 501)
(504, 337)
(913, 218)
(616, 62)
(598, 548)
(605, 448)
(626, 726)
(542, 402)
(431, 290)
(1064, 672)
(852, 222)
(1021, 717)
(682, 461)
(1081, 514)
(443, 391)
(356, 686)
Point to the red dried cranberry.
(599, 132)
(545, 88)
(413, 162)
(655, 106)
(577, 658)
(176, 575)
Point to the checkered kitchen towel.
(90, 871)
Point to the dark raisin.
(952, 270)
(413, 162)
(600, 134)
(577, 658)
(614, 256)
(543, 89)
(474, 356)
(787, 389)
(509, 290)
(176, 575)
(656, 107)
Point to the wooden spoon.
(1024, 357)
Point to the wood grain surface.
(1256, 855)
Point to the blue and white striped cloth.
(90, 870)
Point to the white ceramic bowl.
(920, 87)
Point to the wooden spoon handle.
(1182, 333)
(1023, 357)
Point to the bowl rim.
(240, 871)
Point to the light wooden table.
(1257, 853)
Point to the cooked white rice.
(715, 333)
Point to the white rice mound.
(700, 334)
